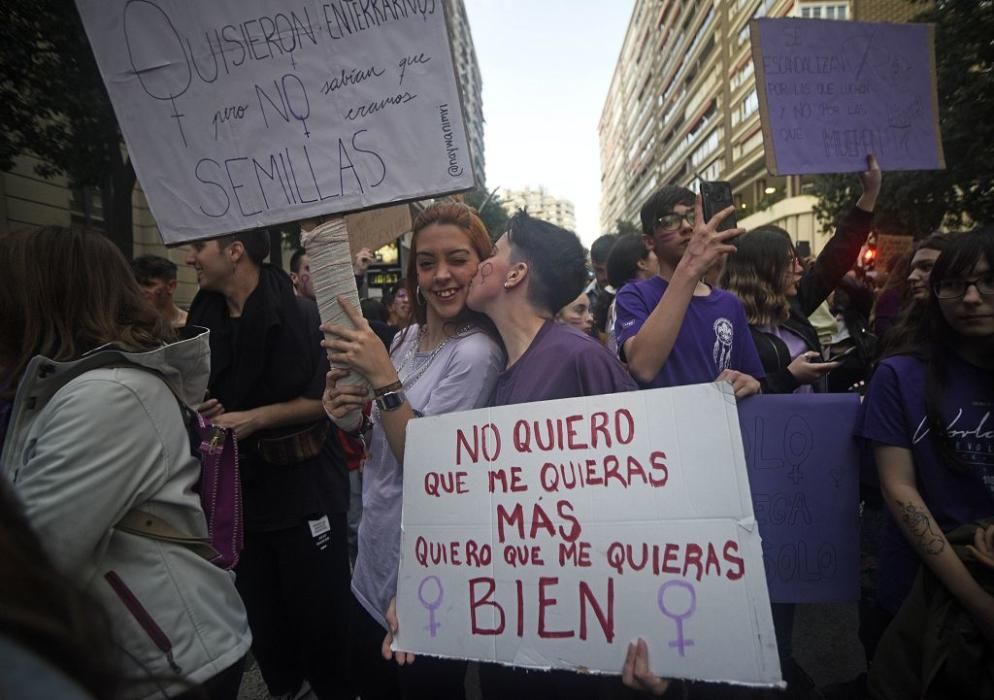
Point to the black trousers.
(296, 590)
(498, 682)
(223, 686)
(379, 679)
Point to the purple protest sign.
(804, 477)
(831, 92)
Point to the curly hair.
(756, 274)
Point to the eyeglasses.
(956, 287)
(671, 221)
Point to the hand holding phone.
(716, 196)
(834, 358)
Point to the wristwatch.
(391, 401)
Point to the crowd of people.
(100, 372)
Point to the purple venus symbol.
(432, 606)
(678, 617)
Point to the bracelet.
(394, 386)
(364, 425)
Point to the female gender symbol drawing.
(678, 617)
(431, 606)
(164, 71)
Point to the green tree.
(493, 211)
(624, 227)
(919, 202)
(53, 104)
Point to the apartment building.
(542, 205)
(683, 103)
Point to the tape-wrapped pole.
(327, 246)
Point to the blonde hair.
(756, 274)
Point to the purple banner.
(804, 476)
(832, 91)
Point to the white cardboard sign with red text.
(549, 535)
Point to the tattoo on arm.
(921, 526)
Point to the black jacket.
(835, 260)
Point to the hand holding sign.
(566, 523)
(830, 92)
(340, 399)
(871, 179)
(636, 673)
(358, 348)
(401, 657)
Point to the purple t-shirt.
(714, 335)
(561, 363)
(894, 414)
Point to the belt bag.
(290, 448)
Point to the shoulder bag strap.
(138, 522)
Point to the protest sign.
(804, 478)
(377, 227)
(550, 535)
(890, 246)
(831, 92)
(247, 113)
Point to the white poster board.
(550, 535)
(247, 113)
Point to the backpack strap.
(143, 524)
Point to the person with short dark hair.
(157, 277)
(600, 292)
(536, 269)
(629, 260)
(300, 273)
(266, 380)
(673, 329)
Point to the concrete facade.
(683, 103)
(542, 205)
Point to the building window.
(748, 105)
(742, 74)
(763, 8)
(707, 147)
(825, 11)
(86, 207)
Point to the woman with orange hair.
(446, 360)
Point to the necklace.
(415, 373)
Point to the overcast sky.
(546, 67)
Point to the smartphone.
(834, 358)
(717, 195)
